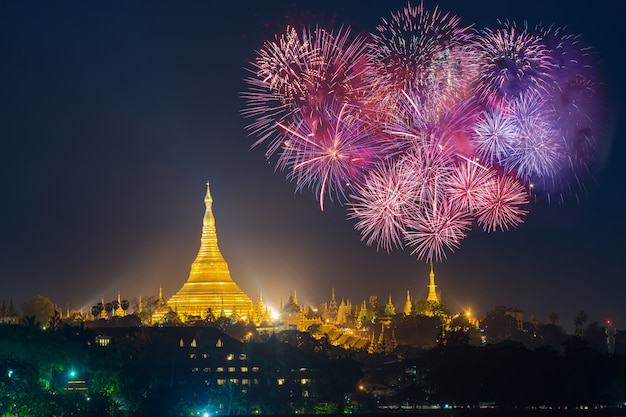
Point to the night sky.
(115, 114)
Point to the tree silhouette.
(579, 322)
(41, 307)
(108, 307)
(115, 305)
(125, 304)
(96, 310)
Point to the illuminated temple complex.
(210, 285)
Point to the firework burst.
(435, 228)
(297, 74)
(331, 154)
(383, 205)
(504, 205)
(512, 62)
(537, 150)
(421, 52)
(468, 185)
(425, 127)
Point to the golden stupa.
(209, 284)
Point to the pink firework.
(298, 74)
(280, 79)
(421, 52)
(468, 185)
(435, 228)
(330, 155)
(512, 62)
(505, 204)
(382, 205)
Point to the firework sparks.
(512, 62)
(425, 127)
(504, 205)
(435, 228)
(383, 204)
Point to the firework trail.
(427, 128)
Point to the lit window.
(205, 355)
(244, 369)
(194, 370)
(207, 369)
(220, 369)
(230, 357)
(255, 369)
(231, 369)
(104, 341)
(245, 381)
(242, 356)
(192, 356)
(193, 343)
(304, 381)
(280, 381)
(234, 381)
(221, 381)
(255, 381)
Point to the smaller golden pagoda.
(209, 284)
(432, 287)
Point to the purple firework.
(494, 135)
(512, 62)
(537, 149)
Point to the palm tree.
(96, 310)
(108, 307)
(115, 305)
(125, 304)
(579, 322)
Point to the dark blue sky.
(114, 115)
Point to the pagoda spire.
(209, 258)
(432, 293)
(209, 283)
(408, 305)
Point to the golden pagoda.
(209, 284)
(432, 293)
